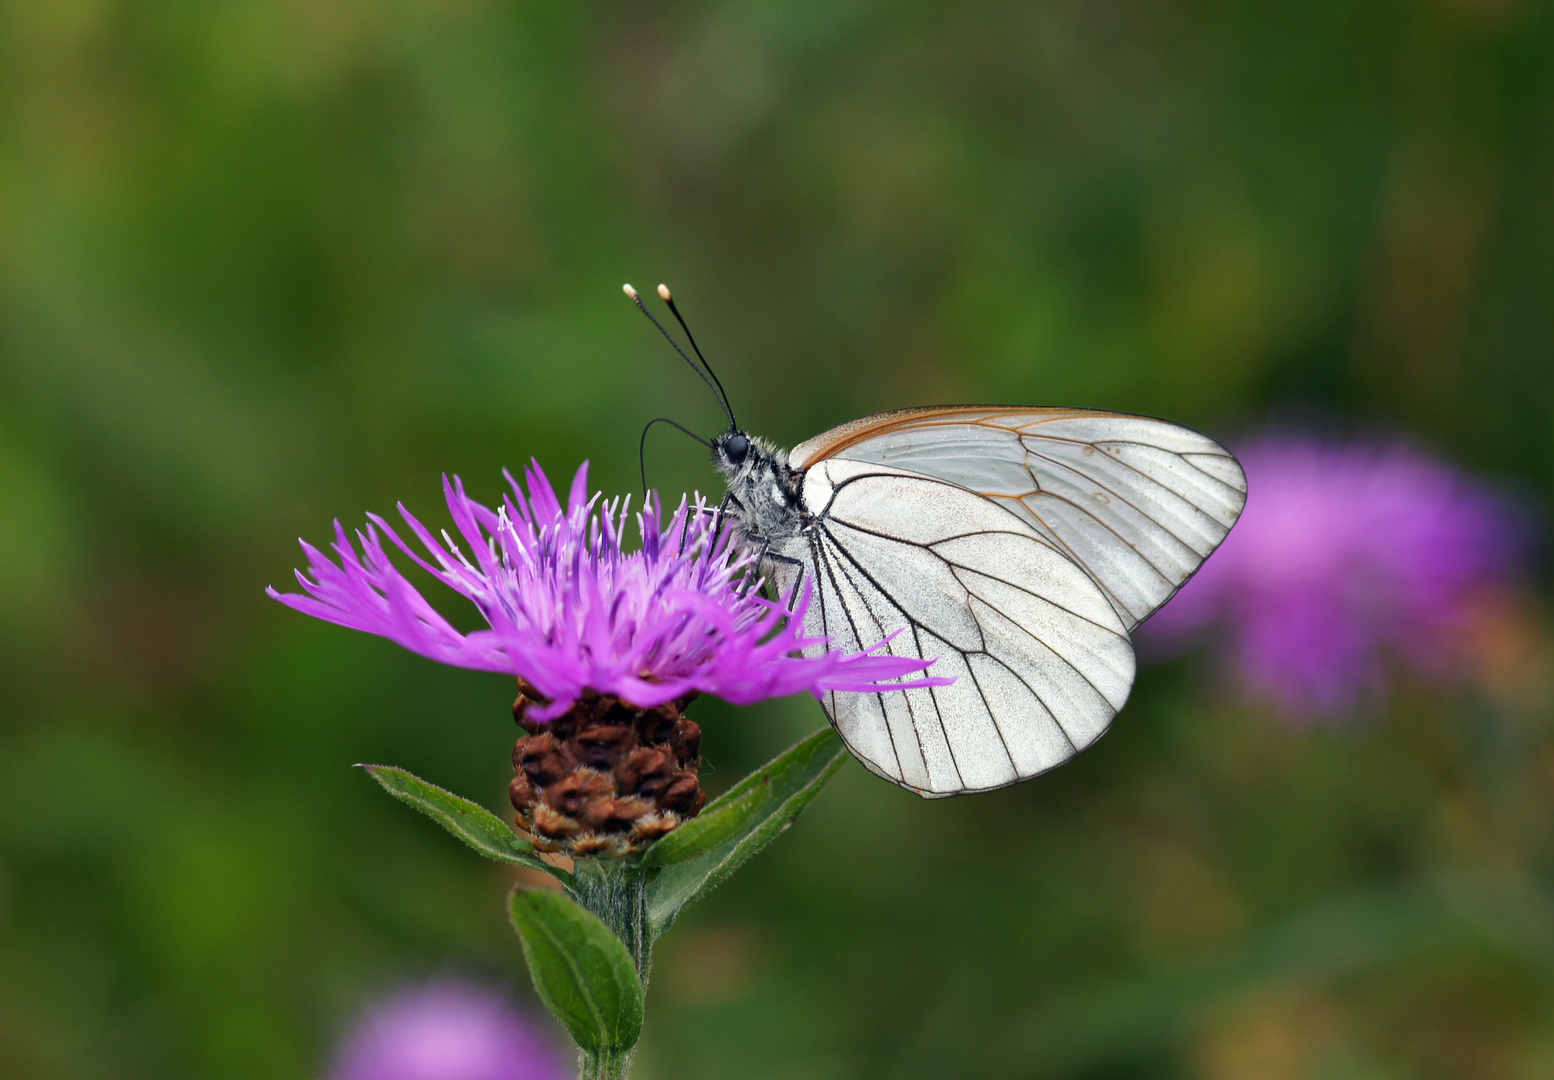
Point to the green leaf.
(791, 781)
(582, 971)
(716, 825)
(471, 823)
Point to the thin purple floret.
(569, 610)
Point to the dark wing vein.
(1022, 534)
(870, 577)
(1101, 443)
(1177, 454)
(1066, 661)
(992, 606)
(1078, 558)
(880, 625)
(1126, 502)
(825, 562)
(1072, 745)
(917, 643)
(932, 690)
(1194, 466)
(912, 622)
(983, 651)
(1067, 548)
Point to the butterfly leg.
(758, 580)
(728, 500)
(785, 560)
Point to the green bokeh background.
(267, 262)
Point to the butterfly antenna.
(642, 446)
(668, 298)
(716, 390)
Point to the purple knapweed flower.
(1347, 558)
(446, 1030)
(569, 610)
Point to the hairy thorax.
(764, 493)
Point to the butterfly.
(1018, 545)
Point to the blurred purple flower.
(446, 1030)
(568, 610)
(1347, 556)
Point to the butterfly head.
(736, 447)
(736, 453)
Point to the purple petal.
(568, 610)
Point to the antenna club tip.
(629, 291)
(663, 291)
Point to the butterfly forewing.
(1138, 503)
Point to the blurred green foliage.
(265, 262)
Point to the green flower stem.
(603, 1066)
(616, 892)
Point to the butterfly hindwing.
(1041, 660)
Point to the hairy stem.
(603, 1066)
(616, 891)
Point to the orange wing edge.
(830, 443)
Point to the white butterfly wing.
(1139, 503)
(1042, 662)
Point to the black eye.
(735, 447)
